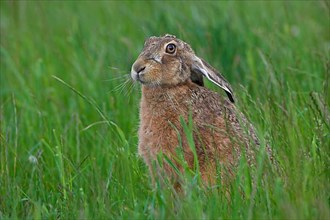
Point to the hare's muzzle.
(137, 70)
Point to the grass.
(69, 123)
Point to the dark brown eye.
(170, 48)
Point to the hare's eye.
(170, 48)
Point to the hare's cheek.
(172, 72)
(153, 75)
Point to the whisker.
(121, 86)
(129, 90)
(118, 78)
(126, 84)
(117, 70)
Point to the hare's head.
(169, 61)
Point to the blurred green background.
(69, 114)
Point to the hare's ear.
(199, 66)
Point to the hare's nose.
(140, 69)
(137, 70)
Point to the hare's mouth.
(137, 71)
(142, 75)
(138, 76)
(144, 80)
(141, 80)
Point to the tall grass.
(69, 119)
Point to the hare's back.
(213, 110)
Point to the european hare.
(172, 87)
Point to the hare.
(172, 88)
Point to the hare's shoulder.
(209, 105)
(210, 101)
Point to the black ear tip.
(230, 96)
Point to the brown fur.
(168, 93)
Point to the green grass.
(69, 133)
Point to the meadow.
(69, 114)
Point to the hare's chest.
(157, 133)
